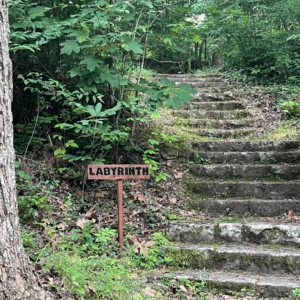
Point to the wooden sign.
(119, 172)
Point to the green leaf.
(91, 62)
(164, 81)
(168, 41)
(133, 46)
(70, 46)
(37, 11)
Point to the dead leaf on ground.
(47, 279)
(38, 268)
(91, 213)
(173, 200)
(140, 197)
(142, 245)
(80, 222)
(178, 175)
(137, 183)
(101, 194)
(149, 292)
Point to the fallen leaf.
(173, 200)
(183, 289)
(139, 197)
(178, 175)
(101, 194)
(47, 279)
(149, 292)
(62, 226)
(62, 206)
(80, 222)
(37, 268)
(91, 213)
(137, 183)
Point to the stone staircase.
(243, 188)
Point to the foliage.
(197, 160)
(156, 256)
(80, 60)
(260, 42)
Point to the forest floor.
(68, 223)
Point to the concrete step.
(211, 97)
(261, 158)
(266, 286)
(190, 76)
(212, 123)
(201, 84)
(242, 207)
(255, 189)
(216, 114)
(235, 257)
(249, 172)
(217, 105)
(259, 233)
(188, 80)
(274, 146)
(220, 133)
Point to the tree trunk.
(17, 280)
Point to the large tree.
(17, 280)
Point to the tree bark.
(17, 280)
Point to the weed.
(269, 161)
(271, 177)
(296, 293)
(200, 161)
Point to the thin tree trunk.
(17, 280)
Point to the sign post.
(119, 172)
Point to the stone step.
(221, 114)
(235, 257)
(217, 105)
(246, 146)
(261, 158)
(212, 123)
(266, 286)
(240, 172)
(220, 133)
(211, 97)
(201, 84)
(191, 76)
(259, 233)
(255, 189)
(242, 207)
(188, 80)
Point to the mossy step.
(259, 233)
(201, 84)
(266, 286)
(187, 75)
(212, 97)
(220, 133)
(188, 80)
(262, 158)
(236, 146)
(217, 105)
(230, 189)
(235, 257)
(248, 207)
(212, 123)
(221, 114)
(240, 172)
